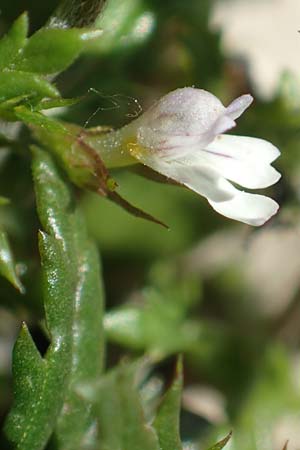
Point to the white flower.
(181, 137)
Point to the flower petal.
(184, 117)
(247, 173)
(202, 179)
(179, 145)
(238, 106)
(244, 148)
(252, 209)
(224, 123)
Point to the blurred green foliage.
(166, 291)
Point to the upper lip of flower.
(205, 161)
(169, 140)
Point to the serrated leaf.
(51, 50)
(13, 42)
(7, 264)
(166, 422)
(34, 414)
(16, 83)
(76, 426)
(73, 309)
(221, 444)
(120, 414)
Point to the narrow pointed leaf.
(166, 422)
(76, 426)
(8, 105)
(221, 444)
(33, 417)
(15, 83)
(28, 372)
(53, 50)
(56, 103)
(37, 119)
(7, 264)
(13, 42)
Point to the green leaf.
(14, 84)
(51, 50)
(34, 412)
(127, 17)
(73, 308)
(76, 424)
(13, 42)
(8, 105)
(28, 373)
(153, 327)
(35, 118)
(160, 323)
(7, 264)
(120, 414)
(221, 444)
(56, 103)
(166, 422)
(31, 116)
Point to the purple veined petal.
(172, 147)
(253, 152)
(235, 158)
(244, 148)
(184, 117)
(251, 209)
(236, 108)
(196, 109)
(201, 179)
(178, 145)
(181, 144)
(247, 173)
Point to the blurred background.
(224, 294)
